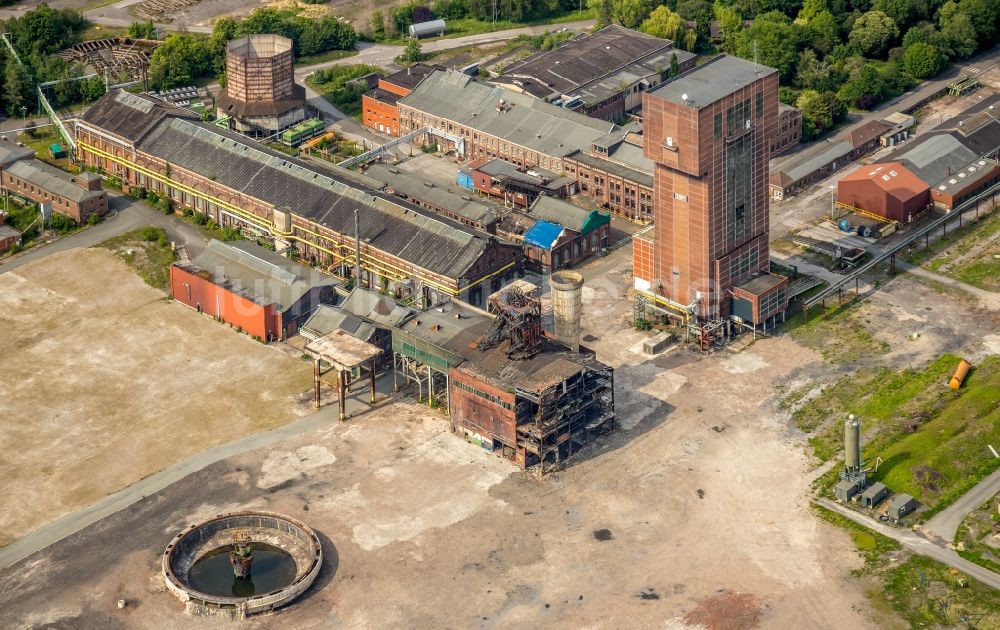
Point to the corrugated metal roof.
(430, 242)
(413, 187)
(892, 177)
(543, 234)
(131, 116)
(51, 179)
(595, 66)
(807, 162)
(527, 122)
(257, 274)
(375, 307)
(936, 158)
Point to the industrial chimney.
(567, 306)
(852, 446)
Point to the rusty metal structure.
(510, 387)
(116, 59)
(519, 321)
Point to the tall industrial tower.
(707, 132)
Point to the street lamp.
(24, 116)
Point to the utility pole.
(357, 250)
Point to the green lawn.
(839, 332)
(331, 84)
(980, 270)
(40, 142)
(932, 440)
(330, 55)
(973, 532)
(923, 592)
(147, 251)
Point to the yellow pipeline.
(382, 267)
(665, 302)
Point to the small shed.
(901, 505)
(874, 494)
(846, 488)
(57, 151)
(433, 28)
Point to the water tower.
(261, 95)
(567, 306)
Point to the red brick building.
(379, 110)
(616, 174)
(708, 131)
(889, 190)
(263, 293)
(76, 195)
(9, 237)
(789, 129)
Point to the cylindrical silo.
(567, 306)
(852, 444)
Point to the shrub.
(93, 219)
(200, 219)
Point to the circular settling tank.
(242, 563)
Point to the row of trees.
(182, 57)
(834, 54)
(37, 36)
(395, 22)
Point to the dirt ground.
(101, 388)
(700, 501)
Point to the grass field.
(973, 533)
(923, 592)
(931, 440)
(970, 253)
(331, 84)
(839, 332)
(147, 252)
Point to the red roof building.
(889, 190)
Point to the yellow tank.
(960, 373)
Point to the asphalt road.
(129, 215)
(71, 523)
(918, 544)
(945, 523)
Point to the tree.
(864, 90)
(630, 13)
(412, 52)
(824, 31)
(17, 88)
(142, 30)
(731, 24)
(378, 24)
(663, 22)
(178, 60)
(603, 10)
(810, 9)
(984, 15)
(811, 73)
(957, 36)
(873, 32)
(674, 67)
(902, 12)
(821, 111)
(922, 60)
(777, 43)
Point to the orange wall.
(201, 293)
(376, 112)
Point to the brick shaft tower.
(707, 132)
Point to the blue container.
(846, 226)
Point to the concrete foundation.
(283, 532)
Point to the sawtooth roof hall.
(405, 249)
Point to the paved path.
(131, 215)
(945, 523)
(72, 523)
(917, 544)
(987, 298)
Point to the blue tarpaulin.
(543, 234)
